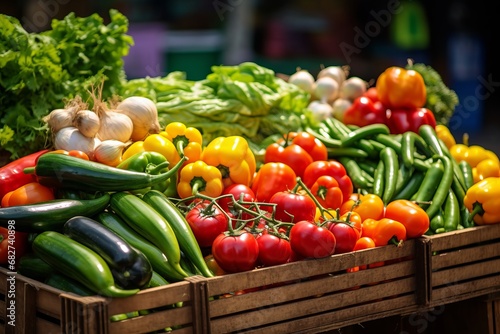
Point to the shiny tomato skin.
(207, 222)
(273, 250)
(293, 207)
(236, 253)
(346, 237)
(239, 192)
(311, 241)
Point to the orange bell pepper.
(399, 88)
(384, 231)
(410, 214)
(367, 206)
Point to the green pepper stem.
(477, 209)
(159, 167)
(29, 170)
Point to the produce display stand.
(308, 296)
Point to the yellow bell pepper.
(233, 157)
(154, 143)
(198, 177)
(486, 168)
(483, 201)
(187, 140)
(445, 135)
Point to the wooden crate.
(461, 264)
(314, 295)
(43, 309)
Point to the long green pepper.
(443, 188)
(391, 167)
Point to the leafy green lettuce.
(246, 100)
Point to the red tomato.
(13, 245)
(273, 250)
(239, 192)
(346, 237)
(292, 207)
(236, 253)
(311, 241)
(207, 221)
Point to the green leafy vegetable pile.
(40, 71)
(246, 100)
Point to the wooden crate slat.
(151, 298)
(465, 290)
(465, 255)
(465, 237)
(153, 322)
(306, 268)
(457, 274)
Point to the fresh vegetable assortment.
(180, 178)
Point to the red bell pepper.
(12, 175)
(402, 120)
(365, 111)
(331, 168)
(297, 150)
(271, 178)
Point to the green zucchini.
(79, 263)
(158, 260)
(68, 172)
(63, 282)
(187, 241)
(32, 266)
(51, 215)
(131, 269)
(146, 221)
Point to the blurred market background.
(456, 37)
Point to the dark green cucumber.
(187, 241)
(131, 269)
(32, 266)
(78, 262)
(158, 260)
(149, 223)
(68, 172)
(62, 282)
(51, 215)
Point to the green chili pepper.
(466, 169)
(339, 130)
(404, 175)
(391, 167)
(443, 188)
(351, 152)
(451, 212)
(410, 141)
(411, 187)
(437, 222)
(363, 133)
(378, 179)
(429, 184)
(355, 173)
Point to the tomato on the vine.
(310, 240)
(236, 253)
(346, 236)
(207, 221)
(234, 193)
(273, 250)
(293, 207)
